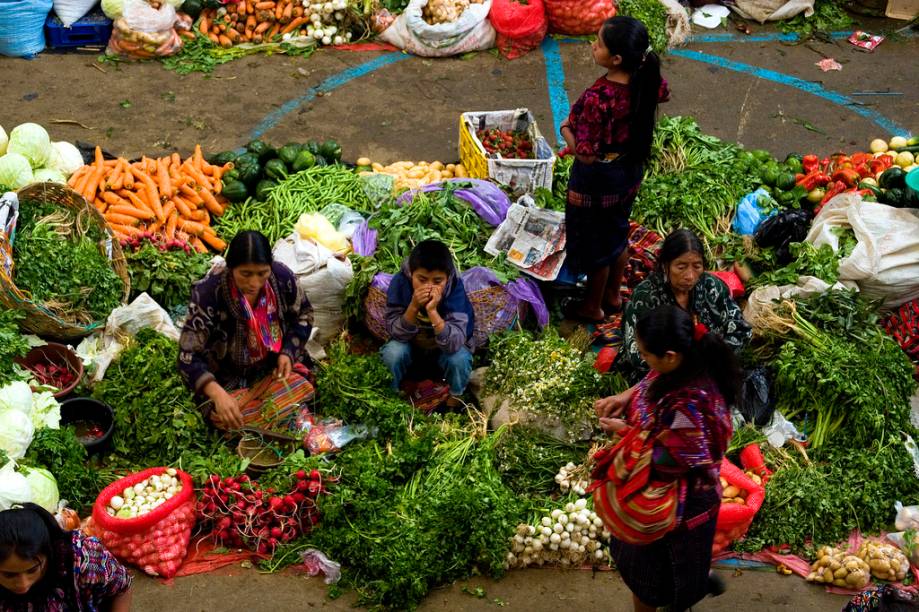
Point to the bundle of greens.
(828, 16)
(165, 275)
(821, 262)
(692, 180)
(12, 345)
(529, 461)
(548, 375)
(820, 371)
(60, 261)
(654, 15)
(156, 419)
(398, 520)
(60, 452)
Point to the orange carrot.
(121, 219)
(92, 185)
(125, 229)
(100, 205)
(264, 6)
(162, 175)
(182, 207)
(192, 195)
(80, 185)
(199, 246)
(169, 208)
(293, 25)
(214, 38)
(205, 24)
(153, 196)
(132, 211)
(273, 31)
(211, 203)
(76, 176)
(262, 27)
(116, 178)
(171, 225)
(214, 242)
(297, 12)
(192, 227)
(114, 200)
(139, 202)
(198, 215)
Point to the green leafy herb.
(654, 15)
(12, 345)
(166, 276)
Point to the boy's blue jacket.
(454, 307)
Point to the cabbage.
(43, 487)
(16, 431)
(113, 9)
(15, 171)
(46, 411)
(32, 142)
(16, 396)
(4, 140)
(14, 488)
(65, 158)
(43, 175)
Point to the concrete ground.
(535, 590)
(762, 93)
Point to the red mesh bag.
(157, 541)
(520, 24)
(578, 17)
(734, 519)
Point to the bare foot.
(612, 301)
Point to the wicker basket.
(38, 319)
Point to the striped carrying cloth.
(632, 506)
(273, 404)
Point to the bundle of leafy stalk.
(438, 215)
(529, 459)
(654, 15)
(829, 16)
(60, 452)
(821, 262)
(692, 180)
(549, 376)
(12, 345)
(200, 54)
(60, 261)
(156, 418)
(165, 275)
(847, 485)
(399, 518)
(556, 198)
(850, 381)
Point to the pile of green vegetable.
(262, 167)
(12, 344)
(60, 261)
(165, 275)
(60, 452)
(821, 262)
(156, 418)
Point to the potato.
(377, 166)
(437, 165)
(756, 479)
(446, 174)
(828, 575)
(731, 491)
(724, 483)
(363, 161)
(740, 500)
(460, 172)
(841, 573)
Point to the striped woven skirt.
(273, 404)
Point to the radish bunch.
(569, 537)
(242, 514)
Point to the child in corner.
(609, 131)
(429, 317)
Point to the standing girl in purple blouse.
(609, 131)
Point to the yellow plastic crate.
(522, 175)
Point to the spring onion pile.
(145, 495)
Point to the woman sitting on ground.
(243, 346)
(43, 567)
(681, 280)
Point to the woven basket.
(38, 319)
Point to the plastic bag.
(14, 488)
(327, 435)
(364, 240)
(909, 548)
(749, 214)
(486, 198)
(70, 11)
(885, 262)
(157, 541)
(520, 26)
(317, 563)
(734, 519)
(754, 403)
(780, 430)
(145, 32)
(378, 187)
(781, 230)
(22, 27)
(470, 32)
(578, 17)
(907, 517)
(772, 10)
(343, 218)
(313, 226)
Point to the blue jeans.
(456, 367)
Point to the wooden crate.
(902, 9)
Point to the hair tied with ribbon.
(699, 331)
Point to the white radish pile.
(573, 478)
(327, 21)
(571, 537)
(145, 495)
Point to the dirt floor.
(531, 590)
(765, 94)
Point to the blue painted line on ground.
(555, 81)
(333, 82)
(814, 89)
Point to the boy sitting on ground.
(430, 319)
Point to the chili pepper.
(813, 180)
(864, 170)
(848, 176)
(834, 190)
(859, 158)
(809, 163)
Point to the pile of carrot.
(252, 21)
(166, 197)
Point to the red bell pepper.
(848, 176)
(860, 158)
(810, 163)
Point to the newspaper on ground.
(532, 238)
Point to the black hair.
(628, 38)
(431, 255)
(678, 243)
(895, 600)
(28, 531)
(670, 328)
(249, 247)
